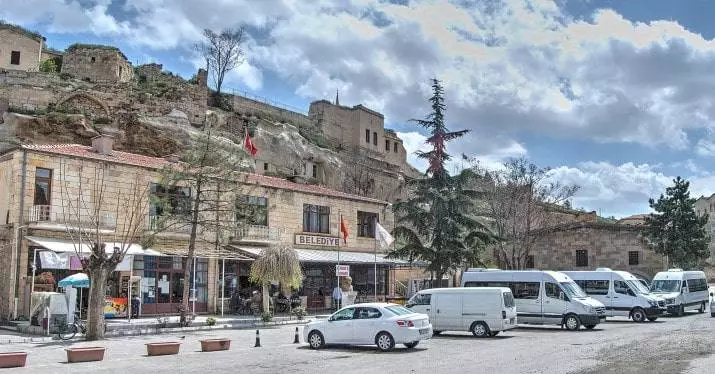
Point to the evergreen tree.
(675, 230)
(436, 224)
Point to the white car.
(381, 324)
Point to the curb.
(226, 326)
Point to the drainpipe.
(18, 241)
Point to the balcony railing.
(162, 224)
(255, 233)
(49, 214)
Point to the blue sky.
(614, 96)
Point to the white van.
(542, 297)
(622, 293)
(483, 311)
(682, 290)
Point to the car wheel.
(480, 329)
(590, 327)
(638, 315)
(702, 308)
(653, 319)
(316, 340)
(384, 342)
(572, 322)
(712, 314)
(412, 345)
(436, 332)
(681, 310)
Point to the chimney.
(103, 144)
(173, 158)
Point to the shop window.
(169, 200)
(374, 138)
(633, 258)
(252, 210)
(387, 145)
(367, 136)
(366, 224)
(15, 58)
(43, 186)
(316, 218)
(581, 258)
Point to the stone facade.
(24, 45)
(606, 244)
(706, 205)
(97, 64)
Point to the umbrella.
(79, 280)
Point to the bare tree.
(103, 216)
(519, 199)
(222, 52)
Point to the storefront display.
(115, 307)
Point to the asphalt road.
(669, 345)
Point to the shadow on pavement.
(444, 336)
(399, 349)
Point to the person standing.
(337, 297)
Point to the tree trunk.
(266, 297)
(95, 307)
(190, 255)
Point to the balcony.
(260, 235)
(168, 225)
(49, 215)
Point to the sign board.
(317, 240)
(342, 270)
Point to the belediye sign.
(342, 270)
(317, 240)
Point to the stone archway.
(83, 103)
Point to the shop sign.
(115, 307)
(342, 270)
(317, 240)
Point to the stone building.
(706, 205)
(38, 184)
(97, 63)
(20, 49)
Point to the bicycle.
(68, 331)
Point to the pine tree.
(675, 230)
(436, 224)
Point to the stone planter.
(210, 345)
(13, 359)
(85, 354)
(162, 348)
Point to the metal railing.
(164, 224)
(40, 213)
(258, 233)
(45, 213)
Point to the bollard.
(296, 340)
(258, 339)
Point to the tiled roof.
(84, 151)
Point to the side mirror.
(712, 294)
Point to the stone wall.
(243, 104)
(29, 48)
(607, 245)
(97, 64)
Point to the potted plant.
(13, 359)
(210, 321)
(211, 345)
(299, 312)
(85, 354)
(162, 348)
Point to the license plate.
(424, 331)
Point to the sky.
(613, 96)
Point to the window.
(169, 200)
(93, 59)
(315, 171)
(525, 290)
(43, 186)
(367, 313)
(394, 147)
(252, 210)
(15, 58)
(696, 285)
(367, 136)
(594, 287)
(581, 258)
(508, 300)
(421, 299)
(265, 166)
(374, 138)
(529, 261)
(387, 145)
(343, 314)
(633, 258)
(552, 290)
(316, 218)
(366, 224)
(620, 287)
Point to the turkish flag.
(344, 229)
(248, 144)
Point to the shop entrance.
(162, 284)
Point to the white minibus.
(621, 292)
(682, 290)
(542, 297)
(483, 311)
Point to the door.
(600, 289)
(623, 298)
(527, 297)
(163, 293)
(339, 328)
(448, 315)
(555, 303)
(366, 325)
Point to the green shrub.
(210, 321)
(299, 312)
(48, 66)
(267, 317)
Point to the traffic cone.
(296, 340)
(258, 339)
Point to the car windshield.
(665, 285)
(637, 287)
(572, 290)
(399, 310)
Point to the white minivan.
(542, 297)
(682, 290)
(621, 292)
(483, 311)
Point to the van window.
(695, 285)
(508, 300)
(594, 287)
(620, 287)
(486, 284)
(665, 285)
(421, 299)
(552, 290)
(525, 290)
